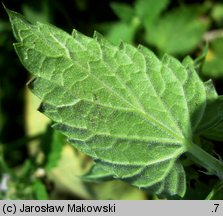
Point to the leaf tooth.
(98, 36)
(83, 146)
(210, 90)
(140, 46)
(81, 38)
(136, 63)
(74, 33)
(188, 62)
(81, 134)
(104, 44)
(166, 59)
(31, 83)
(121, 45)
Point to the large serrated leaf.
(134, 114)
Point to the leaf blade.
(121, 105)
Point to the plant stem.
(206, 160)
(215, 190)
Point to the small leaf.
(124, 11)
(132, 113)
(181, 37)
(149, 11)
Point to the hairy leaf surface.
(132, 113)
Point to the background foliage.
(35, 161)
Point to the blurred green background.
(35, 161)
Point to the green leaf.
(124, 29)
(51, 144)
(180, 37)
(120, 31)
(132, 113)
(199, 61)
(56, 149)
(124, 11)
(216, 192)
(211, 125)
(39, 190)
(149, 11)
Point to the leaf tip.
(17, 21)
(101, 39)
(10, 13)
(4, 7)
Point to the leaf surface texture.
(131, 112)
